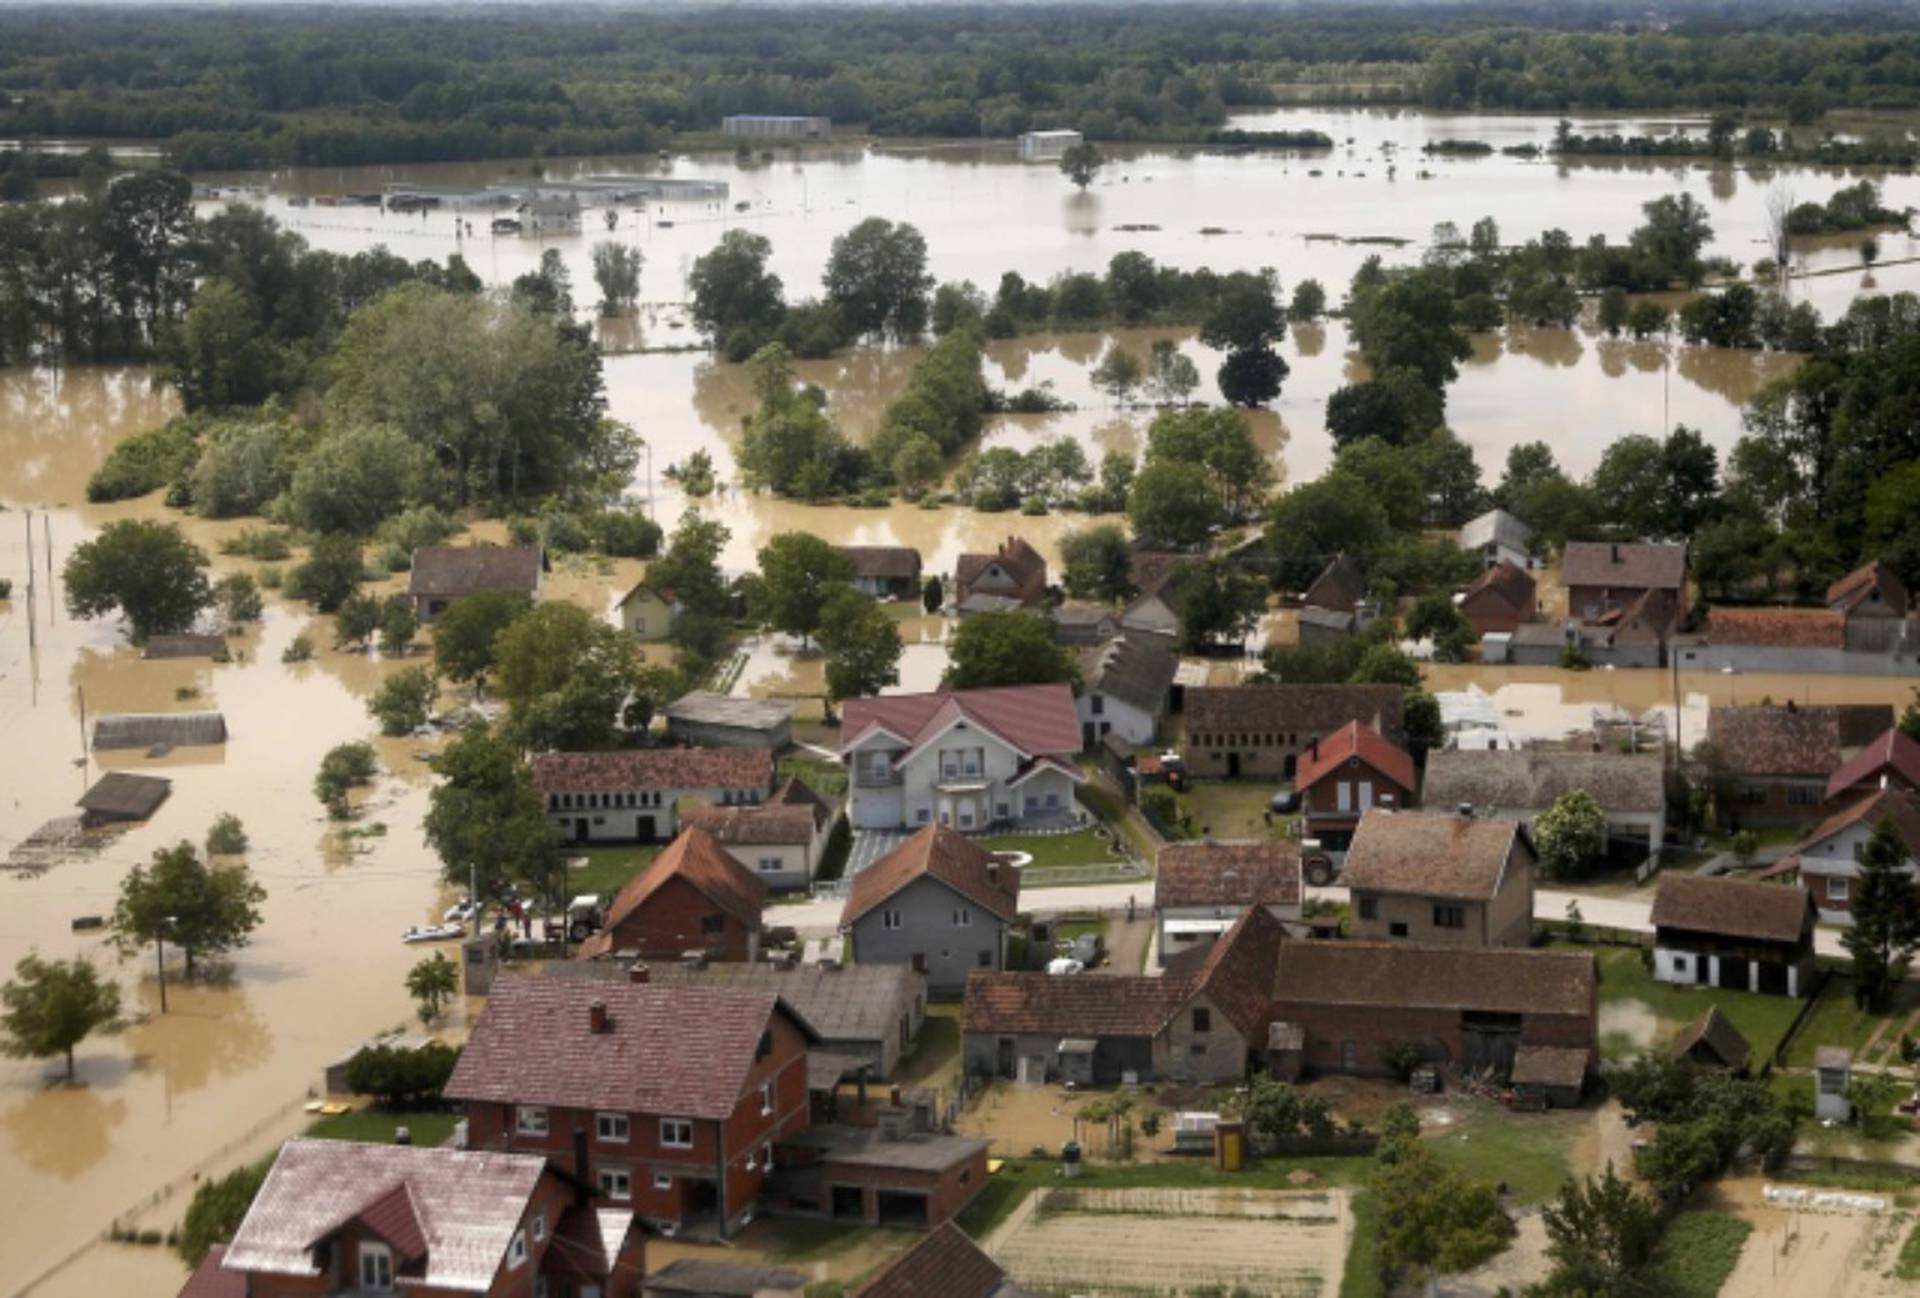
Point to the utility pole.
(33, 636)
(46, 532)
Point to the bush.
(330, 574)
(273, 543)
(626, 534)
(145, 462)
(300, 650)
(564, 533)
(402, 1079)
(404, 701)
(237, 596)
(217, 1209)
(412, 528)
(1401, 1057)
(227, 837)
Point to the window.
(1396, 929)
(1198, 1050)
(1369, 908)
(1053, 800)
(966, 818)
(766, 1098)
(963, 918)
(920, 816)
(765, 1047)
(771, 865)
(1203, 1020)
(662, 1181)
(610, 1128)
(986, 960)
(711, 924)
(1000, 810)
(889, 919)
(616, 1184)
(539, 1226)
(517, 1251)
(1449, 916)
(1802, 797)
(530, 1120)
(1097, 704)
(1837, 889)
(376, 1266)
(676, 1133)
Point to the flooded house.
(1340, 586)
(704, 719)
(692, 898)
(122, 798)
(1790, 641)
(1201, 889)
(1013, 576)
(1263, 731)
(938, 903)
(1125, 685)
(781, 840)
(1343, 776)
(548, 214)
(442, 574)
(1601, 576)
(1738, 934)
(1079, 622)
(773, 126)
(1873, 600)
(1440, 879)
(633, 795)
(884, 571)
(647, 611)
(185, 646)
(159, 730)
(1499, 600)
(1044, 146)
(1771, 763)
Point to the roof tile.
(952, 858)
(1733, 907)
(1035, 719)
(653, 768)
(1354, 740)
(455, 570)
(1509, 980)
(1623, 567)
(1244, 872)
(1429, 854)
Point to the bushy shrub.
(217, 1209)
(626, 534)
(145, 462)
(272, 543)
(227, 836)
(402, 1079)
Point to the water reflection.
(210, 1030)
(63, 1130)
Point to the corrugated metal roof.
(154, 729)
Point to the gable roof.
(667, 1049)
(1506, 980)
(1564, 1066)
(1647, 619)
(1495, 527)
(1858, 587)
(1303, 710)
(1767, 740)
(1894, 752)
(1032, 719)
(1428, 854)
(1151, 571)
(1898, 805)
(1623, 566)
(1720, 1037)
(1340, 585)
(455, 570)
(1020, 561)
(1329, 754)
(1528, 781)
(125, 794)
(1137, 670)
(883, 562)
(1783, 628)
(1104, 1005)
(1698, 903)
(792, 816)
(646, 587)
(465, 1206)
(1505, 581)
(944, 1264)
(940, 853)
(1247, 872)
(702, 862)
(1237, 974)
(704, 707)
(653, 768)
(854, 1002)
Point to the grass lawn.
(1067, 930)
(1106, 805)
(1907, 1265)
(1231, 809)
(935, 1058)
(608, 867)
(1049, 851)
(374, 1126)
(1700, 1250)
(1527, 1151)
(825, 778)
(1836, 1021)
(1625, 980)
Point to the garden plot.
(1135, 1243)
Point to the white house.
(647, 612)
(1829, 858)
(1038, 146)
(1497, 535)
(781, 840)
(634, 795)
(1124, 685)
(966, 759)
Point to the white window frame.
(766, 1157)
(962, 917)
(766, 1098)
(1839, 888)
(612, 1128)
(669, 1127)
(517, 1251)
(616, 1183)
(382, 1279)
(772, 865)
(663, 1181)
(890, 918)
(530, 1119)
(538, 1227)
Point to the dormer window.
(376, 1267)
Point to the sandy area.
(1815, 1254)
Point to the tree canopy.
(150, 573)
(181, 900)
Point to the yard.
(935, 1058)
(1837, 1021)
(1638, 1014)
(1231, 809)
(374, 1125)
(1700, 1250)
(608, 867)
(1085, 856)
(1528, 1152)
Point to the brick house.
(1771, 764)
(1890, 762)
(442, 574)
(666, 1100)
(946, 1264)
(337, 1216)
(1261, 731)
(1601, 576)
(1014, 576)
(1828, 859)
(1874, 602)
(694, 896)
(633, 795)
(1443, 880)
(938, 902)
(781, 840)
(1343, 775)
(1499, 600)
(1474, 1007)
(884, 571)
(1201, 889)
(1734, 933)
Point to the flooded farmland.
(166, 1098)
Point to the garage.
(902, 1208)
(1733, 974)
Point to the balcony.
(864, 778)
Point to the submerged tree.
(149, 572)
(179, 899)
(50, 1006)
(616, 269)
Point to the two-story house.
(1442, 880)
(1201, 889)
(1498, 537)
(966, 759)
(442, 574)
(781, 840)
(1261, 731)
(1829, 858)
(341, 1217)
(1014, 576)
(633, 795)
(693, 897)
(1346, 774)
(1602, 576)
(1891, 761)
(938, 902)
(667, 1100)
(1124, 687)
(647, 611)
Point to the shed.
(159, 730)
(700, 1278)
(185, 646)
(120, 796)
(1833, 1077)
(1712, 1042)
(1553, 1075)
(710, 720)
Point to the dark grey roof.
(1137, 670)
(867, 1147)
(454, 570)
(699, 1278)
(1527, 782)
(185, 646)
(153, 729)
(126, 795)
(852, 1003)
(708, 709)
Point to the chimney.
(639, 975)
(597, 1018)
(1466, 811)
(1616, 552)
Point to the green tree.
(226, 836)
(932, 595)
(1613, 311)
(1436, 617)
(1571, 835)
(1081, 162)
(1171, 374)
(217, 1208)
(355, 479)
(616, 269)
(916, 465)
(219, 356)
(432, 983)
(1309, 302)
(1251, 376)
(1309, 525)
(1645, 319)
(862, 645)
(357, 619)
(1409, 322)
(1603, 1237)
(50, 1006)
(1007, 649)
(397, 626)
(330, 574)
(798, 572)
(1886, 919)
(1098, 563)
(731, 289)
(487, 823)
(344, 768)
(465, 635)
(181, 900)
(404, 701)
(1420, 721)
(572, 681)
(1174, 505)
(148, 572)
(1382, 664)
(1433, 1221)
(1675, 231)
(237, 596)
(1220, 442)
(1118, 374)
(690, 568)
(877, 277)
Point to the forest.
(344, 86)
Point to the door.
(919, 961)
(1702, 966)
(1004, 1062)
(643, 829)
(1773, 978)
(1733, 974)
(1086, 734)
(1233, 766)
(580, 829)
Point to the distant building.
(759, 126)
(1500, 599)
(781, 840)
(159, 730)
(1077, 622)
(884, 571)
(1772, 763)
(647, 611)
(1601, 576)
(692, 898)
(1344, 775)
(543, 214)
(1874, 602)
(633, 795)
(121, 797)
(1340, 586)
(442, 574)
(1042, 146)
(1262, 731)
(1014, 576)
(1497, 536)
(707, 720)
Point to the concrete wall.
(1677, 965)
(1765, 801)
(700, 734)
(1824, 662)
(951, 935)
(1133, 724)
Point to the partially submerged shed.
(159, 730)
(185, 646)
(121, 796)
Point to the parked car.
(1089, 949)
(1065, 966)
(1284, 803)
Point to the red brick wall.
(947, 1191)
(1817, 885)
(1328, 1026)
(750, 1129)
(1487, 612)
(1323, 799)
(669, 924)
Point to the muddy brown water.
(221, 1075)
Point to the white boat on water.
(434, 933)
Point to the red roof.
(653, 768)
(1238, 973)
(1507, 582)
(1035, 719)
(1858, 586)
(945, 1264)
(1901, 806)
(1893, 753)
(1782, 628)
(953, 859)
(1355, 740)
(702, 862)
(675, 1049)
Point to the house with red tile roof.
(1014, 576)
(938, 902)
(780, 840)
(692, 898)
(1343, 774)
(1601, 576)
(1441, 879)
(1200, 889)
(1771, 763)
(211, 1280)
(1500, 599)
(666, 1100)
(965, 759)
(1828, 859)
(946, 1264)
(336, 1216)
(634, 794)
(1890, 762)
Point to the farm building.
(1733, 933)
(707, 720)
(120, 797)
(159, 730)
(442, 574)
(185, 646)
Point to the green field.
(1700, 1250)
(1527, 1151)
(1626, 982)
(608, 868)
(374, 1126)
(1837, 1021)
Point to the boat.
(505, 225)
(434, 933)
